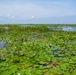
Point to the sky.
(37, 11)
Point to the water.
(67, 28)
(2, 44)
(63, 28)
(56, 52)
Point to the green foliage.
(36, 50)
(2, 30)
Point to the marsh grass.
(29, 29)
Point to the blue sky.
(38, 11)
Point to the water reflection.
(68, 28)
(2, 44)
(63, 28)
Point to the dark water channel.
(56, 53)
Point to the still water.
(67, 28)
(64, 28)
(2, 44)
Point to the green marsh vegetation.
(37, 50)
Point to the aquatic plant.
(35, 50)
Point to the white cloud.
(9, 16)
(32, 17)
(24, 11)
(12, 17)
